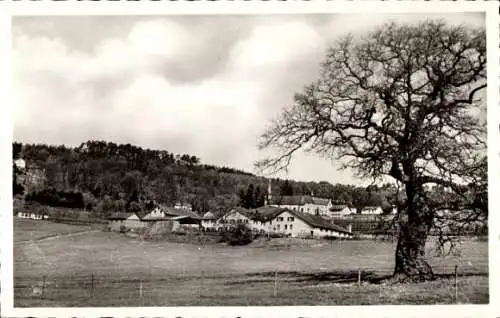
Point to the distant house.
(183, 206)
(303, 203)
(338, 210)
(210, 220)
(394, 210)
(20, 164)
(297, 224)
(37, 215)
(236, 216)
(372, 210)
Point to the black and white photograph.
(295, 159)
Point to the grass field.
(28, 230)
(108, 269)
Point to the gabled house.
(210, 220)
(297, 224)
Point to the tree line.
(115, 177)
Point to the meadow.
(27, 229)
(109, 269)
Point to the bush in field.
(123, 229)
(237, 235)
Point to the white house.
(372, 210)
(297, 224)
(303, 203)
(183, 206)
(20, 163)
(233, 217)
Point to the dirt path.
(56, 236)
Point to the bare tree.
(402, 102)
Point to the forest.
(104, 177)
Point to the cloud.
(206, 88)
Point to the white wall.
(299, 227)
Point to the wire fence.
(91, 289)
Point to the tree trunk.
(410, 250)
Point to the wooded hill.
(104, 177)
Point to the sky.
(202, 85)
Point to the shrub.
(237, 235)
(123, 229)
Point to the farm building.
(256, 219)
(297, 224)
(37, 215)
(303, 203)
(235, 216)
(277, 220)
(373, 210)
(176, 218)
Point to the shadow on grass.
(331, 277)
(338, 277)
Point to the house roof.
(264, 214)
(120, 216)
(170, 211)
(319, 201)
(297, 200)
(371, 208)
(338, 207)
(318, 222)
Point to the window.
(278, 226)
(292, 219)
(301, 209)
(286, 227)
(291, 226)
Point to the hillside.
(104, 177)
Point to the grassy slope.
(183, 274)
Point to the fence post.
(92, 286)
(140, 289)
(359, 277)
(456, 284)
(43, 286)
(275, 283)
